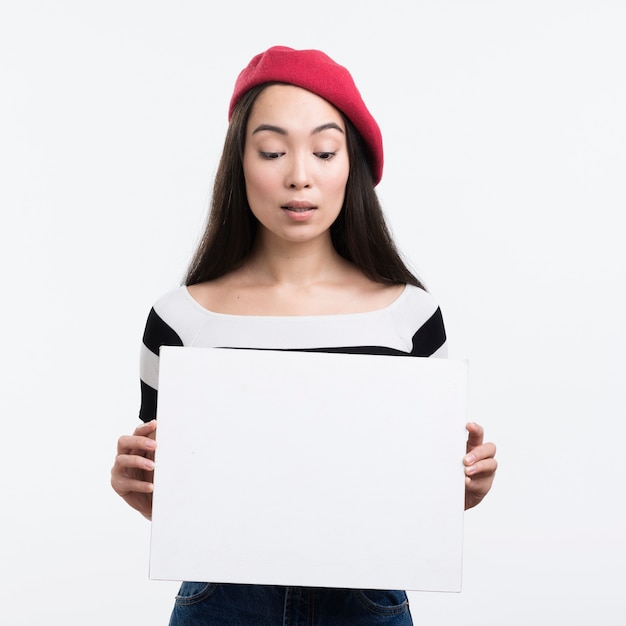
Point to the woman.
(296, 255)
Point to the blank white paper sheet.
(309, 469)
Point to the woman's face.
(295, 164)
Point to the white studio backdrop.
(505, 140)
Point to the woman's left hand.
(480, 466)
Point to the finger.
(478, 486)
(475, 435)
(487, 467)
(480, 482)
(145, 430)
(128, 443)
(133, 461)
(484, 451)
(128, 472)
(126, 486)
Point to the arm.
(480, 466)
(133, 470)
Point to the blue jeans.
(266, 605)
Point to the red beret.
(315, 71)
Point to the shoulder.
(173, 320)
(418, 301)
(171, 301)
(419, 314)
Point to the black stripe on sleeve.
(430, 336)
(158, 333)
(148, 409)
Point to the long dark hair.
(359, 234)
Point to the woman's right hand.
(133, 470)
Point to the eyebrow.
(282, 131)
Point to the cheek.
(256, 184)
(337, 184)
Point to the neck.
(295, 264)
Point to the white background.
(505, 141)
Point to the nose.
(298, 176)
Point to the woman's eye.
(270, 155)
(325, 156)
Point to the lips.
(298, 206)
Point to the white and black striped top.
(412, 325)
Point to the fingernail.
(149, 464)
(151, 443)
(469, 459)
